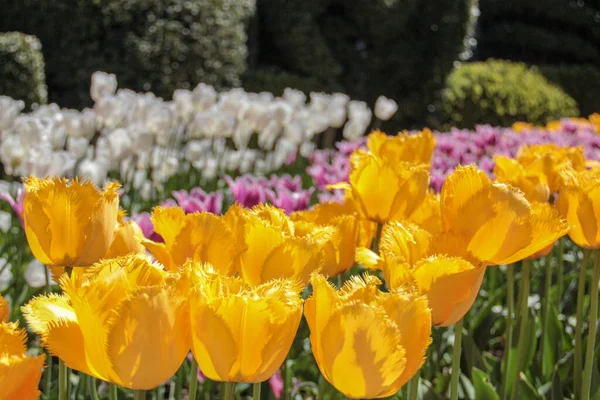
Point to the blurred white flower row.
(143, 140)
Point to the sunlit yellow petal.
(168, 222)
(413, 318)
(147, 340)
(451, 286)
(127, 240)
(407, 241)
(428, 215)
(20, 377)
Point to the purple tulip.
(197, 200)
(145, 222)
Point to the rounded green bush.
(500, 93)
(22, 74)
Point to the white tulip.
(385, 108)
(95, 171)
(6, 274)
(306, 149)
(5, 221)
(9, 110)
(77, 146)
(354, 129)
(359, 111)
(103, 85)
(139, 178)
(35, 274)
(296, 98)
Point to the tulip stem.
(229, 390)
(524, 313)
(591, 339)
(414, 386)
(139, 395)
(546, 304)
(377, 238)
(63, 380)
(456, 352)
(112, 391)
(92, 388)
(48, 374)
(510, 307)
(284, 378)
(560, 270)
(179, 384)
(193, 380)
(256, 391)
(578, 357)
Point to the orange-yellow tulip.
(579, 202)
(200, 236)
(550, 160)
(533, 184)
(125, 322)
(339, 250)
(381, 190)
(416, 149)
(69, 223)
(497, 223)
(19, 373)
(128, 239)
(274, 248)
(241, 333)
(436, 266)
(367, 343)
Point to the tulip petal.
(413, 318)
(408, 242)
(147, 340)
(361, 352)
(12, 339)
(451, 286)
(53, 318)
(261, 240)
(213, 344)
(20, 376)
(168, 222)
(205, 238)
(161, 253)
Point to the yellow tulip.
(125, 323)
(579, 202)
(69, 223)
(435, 266)
(534, 185)
(367, 343)
(200, 236)
(128, 239)
(241, 333)
(550, 160)
(274, 248)
(428, 214)
(338, 251)
(416, 149)
(497, 223)
(383, 191)
(19, 373)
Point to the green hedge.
(539, 32)
(22, 68)
(402, 49)
(501, 93)
(582, 82)
(156, 45)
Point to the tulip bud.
(385, 108)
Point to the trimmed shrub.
(500, 93)
(157, 45)
(582, 82)
(539, 32)
(398, 48)
(22, 68)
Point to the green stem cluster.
(524, 314)
(456, 353)
(593, 320)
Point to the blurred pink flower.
(15, 204)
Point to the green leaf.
(551, 343)
(530, 345)
(526, 390)
(483, 388)
(471, 354)
(557, 392)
